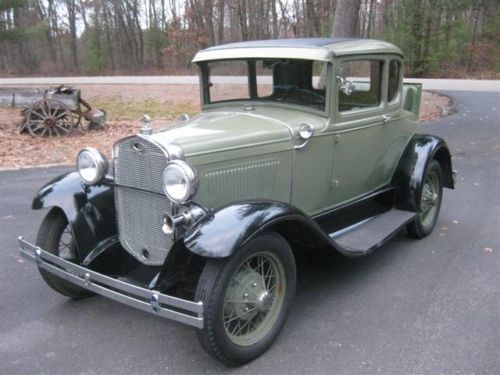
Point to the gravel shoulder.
(124, 105)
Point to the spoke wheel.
(430, 198)
(56, 237)
(430, 202)
(50, 118)
(246, 299)
(254, 298)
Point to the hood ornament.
(146, 128)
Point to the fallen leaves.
(123, 102)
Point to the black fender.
(90, 210)
(408, 176)
(220, 233)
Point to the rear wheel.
(55, 236)
(430, 202)
(246, 299)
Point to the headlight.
(91, 165)
(179, 181)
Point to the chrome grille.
(139, 164)
(140, 201)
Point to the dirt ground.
(124, 105)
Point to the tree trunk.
(275, 19)
(371, 14)
(242, 16)
(71, 7)
(220, 27)
(474, 33)
(105, 11)
(418, 37)
(346, 19)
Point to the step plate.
(364, 237)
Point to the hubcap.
(254, 298)
(264, 302)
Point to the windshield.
(298, 82)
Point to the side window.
(220, 92)
(394, 77)
(359, 84)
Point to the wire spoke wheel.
(246, 298)
(431, 194)
(50, 118)
(254, 298)
(56, 237)
(67, 245)
(430, 199)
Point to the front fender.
(408, 177)
(89, 209)
(220, 233)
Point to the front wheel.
(431, 195)
(246, 299)
(55, 236)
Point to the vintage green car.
(301, 144)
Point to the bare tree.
(71, 7)
(346, 19)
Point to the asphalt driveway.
(421, 307)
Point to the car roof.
(322, 49)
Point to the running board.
(368, 235)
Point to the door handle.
(386, 118)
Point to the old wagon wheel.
(49, 117)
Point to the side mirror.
(346, 86)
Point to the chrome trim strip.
(340, 232)
(157, 144)
(143, 299)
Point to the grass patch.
(117, 110)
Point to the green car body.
(304, 143)
(350, 155)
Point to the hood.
(220, 131)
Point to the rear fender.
(408, 177)
(90, 210)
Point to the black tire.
(212, 290)
(422, 226)
(49, 237)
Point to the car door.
(365, 129)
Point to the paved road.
(428, 84)
(424, 307)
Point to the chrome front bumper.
(183, 311)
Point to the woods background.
(440, 38)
